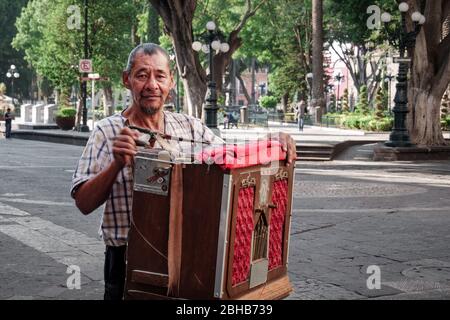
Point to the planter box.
(65, 123)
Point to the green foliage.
(385, 124)
(279, 34)
(363, 122)
(10, 10)
(379, 114)
(54, 49)
(445, 104)
(362, 107)
(345, 106)
(268, 102)
(346, 21)
(66, 112)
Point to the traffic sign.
(85, 65)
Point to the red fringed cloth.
(241, 156)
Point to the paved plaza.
(349, 214)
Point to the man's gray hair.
(147, 49)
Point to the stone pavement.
(348, 214)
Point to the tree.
(379, 113)
(362, 106)
(10, 10)
(354, 43)
(280, 35)
(55, 54)
(430, 74)
(268, 102)
(345, 106)
(178, 16)
(317, 60)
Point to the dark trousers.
(8, 130)
(114, 272)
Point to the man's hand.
(124, 147)
(287, 145)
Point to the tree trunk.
(253, 91)
(109, 106)
(79, 114)
(285, 101)
(317, 87)
(430, 75)
(427, 130)
(244, 89)
(177, 16)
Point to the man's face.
(150, 81)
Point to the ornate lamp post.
(12, 74)
(405, 40)
(339, 77)
(212, 43)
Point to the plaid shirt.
(97, 155)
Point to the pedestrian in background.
(8, 122)
(301, 114)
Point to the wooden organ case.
(223, 234)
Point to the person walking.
(301, 114)
(8, 122)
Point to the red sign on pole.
(85, 66)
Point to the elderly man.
(104, 171)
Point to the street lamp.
(212, 44)
(12, 74)
(339, 77)
(388, 78)
(399, 136)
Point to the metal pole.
(211, 100)
(178, 91)
(93, 104)
(12, 88)
(399, 136)
(84, 127)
